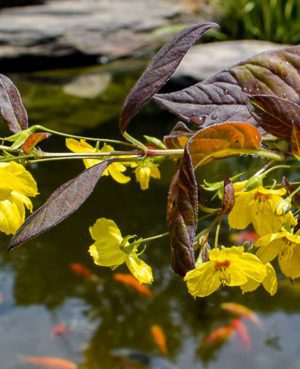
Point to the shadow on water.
(40, 291)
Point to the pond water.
(47, 310)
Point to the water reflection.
(40, 290)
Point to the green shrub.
(273, 20)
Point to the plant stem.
(58, 133)
(217, 233)
(150, 238)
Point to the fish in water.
(241, 311)
(159, 338)
(130, 281)
(135, 359)
(50, 362)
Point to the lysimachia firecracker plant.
(265, 126)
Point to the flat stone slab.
(204, 60)
(59, 28)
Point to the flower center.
(261, 197)
(221, 268)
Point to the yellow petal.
(155, 173)
(106, 231)
(12, 215)
(237, 278)
(115, 170)
(203, 280)
(239, 217)
(268, 252)
(225, 252)
(270, 282)
(15, 177)
(142, 175)
(251, 267)
(79, 146)
(250, 286)
(22, 199)
(290, 263)
(139, 269)
(265, 191)
(82, 146)
(294, 238)
(107, 254)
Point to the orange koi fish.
(241, 311)
(241, 237)
(60, 329)
(50, 362)
(159, 338)
(81, 270)
(130, 281)
(219, 335)
(243, 333)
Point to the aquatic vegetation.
(251, 109)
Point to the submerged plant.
(249, 109)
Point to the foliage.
(248, 109)
(273, 20)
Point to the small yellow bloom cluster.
(16, 186)
(230, 267)
(110, 249)
(269, 214)
(145, 170)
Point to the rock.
(88, 86)
(79, 31)
(207, 59)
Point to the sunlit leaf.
(221, 141)
(11, 107)
(223, 97)
(33, 140)
(159, 70)
(60, 205)
(178, 137)
(182, 216)
(275, 114)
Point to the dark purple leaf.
(183, 216)
(223, 97)
(295, 140)
(61, 204)
(159, 70)
(274, 114)
(228, 199)
(11, 107)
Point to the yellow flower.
(286, 246)
(227, 267)
(144, 171)
(258, 207)
(115, 170)
(16, 185)
(269, 282)
(111, 250)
